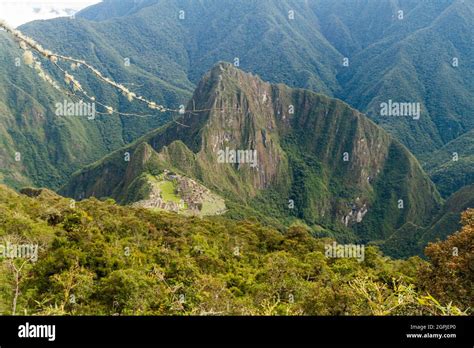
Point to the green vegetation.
(300, 158)
(450, 270)
(447, 221)
(412, 240)
(405, 60)
(168, 191)
(103, 259)
(51, 147)
(452, 166)
(409, 59)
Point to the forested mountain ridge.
(425, 58)
(316, 159)
(168, 56)
(37, 146)
(232, 144)
(452, 166)
(161, 48)
(403, 50)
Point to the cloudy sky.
(17, 12)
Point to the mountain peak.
(227, 72)
(265, 145)
(223, 66)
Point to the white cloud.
(17, 12)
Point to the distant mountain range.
(172, 43)
(400, 50)
(408, 54)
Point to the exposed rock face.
(31, 192)
(338, 168)
(356, 214)
(35, 192)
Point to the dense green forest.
(96, 257)
(300, 160)
(452, 166)
(103, 237)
